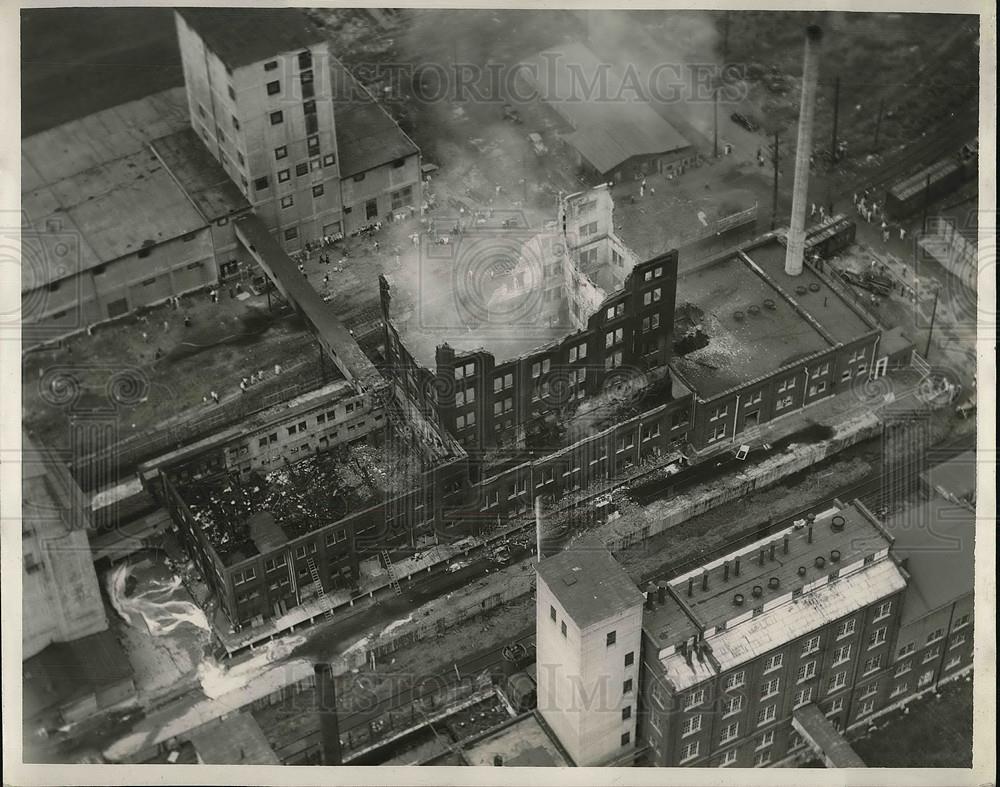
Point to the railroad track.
(471, 666)
(947, 139)
(868, 492)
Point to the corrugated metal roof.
(611, 122)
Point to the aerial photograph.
(499, 387)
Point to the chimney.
(687, 653)
(736, 567)
(803, 152)
(649, 600)
(785, 545)
(761, 558)
(704, 579)
(661, 594)
(690, 586)
(329, 724)
(725, 571)
(809, 533)
(771, 555)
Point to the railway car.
(930, 183)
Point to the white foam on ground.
(217, 680)
(155, 605)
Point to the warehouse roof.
(93, 190)
(611, 121)
(367, 136)
(241, 36)
(200, 175)
(114, 209)
(937, 540)
(235, 740)
(752, 330)
(589, 583)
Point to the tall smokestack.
(329, 724)
(803, 151)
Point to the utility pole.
(836, 111)
(774, 195)
(927, 203)
(725, 39)
(715, 142)
(930, 331)
(878, 123)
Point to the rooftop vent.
(769, 304)
(661, 594)
(838, 522)
(814, 287)
(820, 561)
(754, 309)
(738, 315)
(802, 571)
(773, 583)
(757, 591)
(835, 556)
(801, 289)
(738, 599)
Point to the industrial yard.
(411, 357)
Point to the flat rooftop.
(524, 743)
(752, 330)
(202, 177)
(793, 594)
(367, 136)
(957, 476)
(937, 541)
(836, 315)
(589, 583)
(74, 147)
(97, 179)
(858, 538)
(242, 36)
(243, 519)
(236, 740)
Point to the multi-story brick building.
(935, 547)
(755, 344)
(732, 650)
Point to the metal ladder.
(325, 603)
(393, 582)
